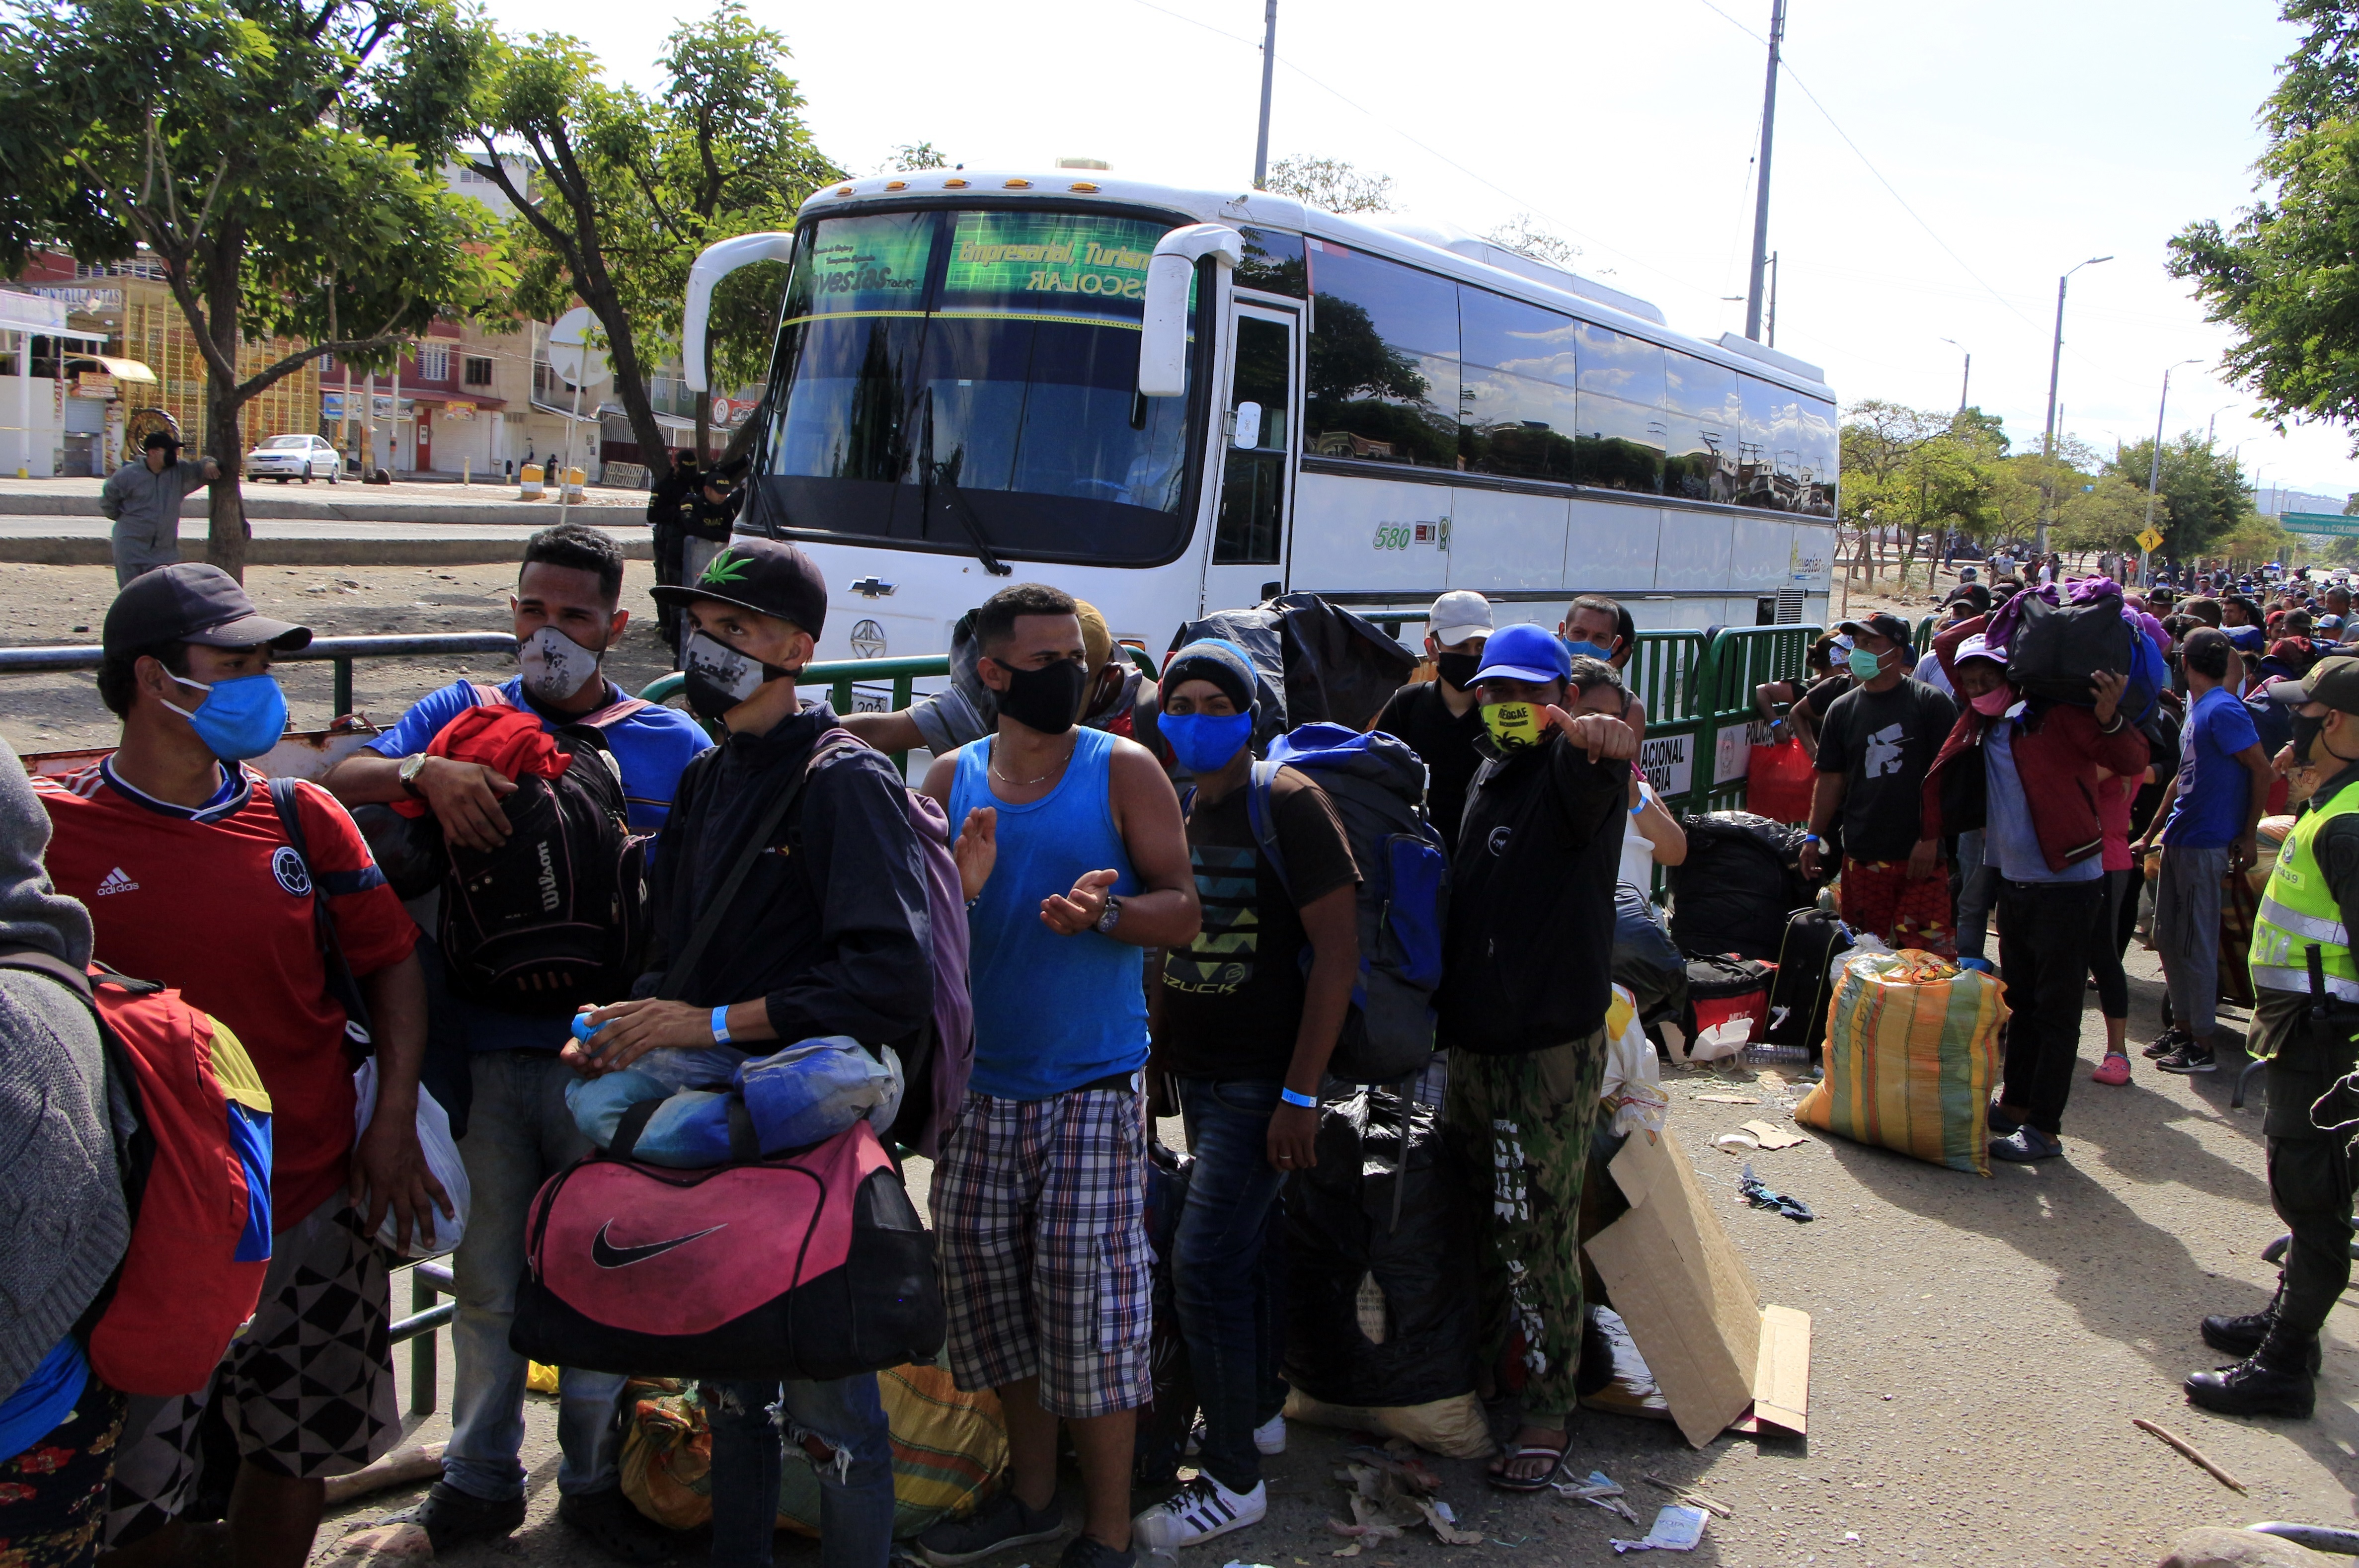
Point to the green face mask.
(1512, 725)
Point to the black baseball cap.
(2333, 680)
(189, 600)
(1883, 624)
(769, 577)
(1974, 593)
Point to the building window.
(433, 362)
(479, 370)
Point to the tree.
(2205, 495)
(915, 158)
(625, 192)
(2279, 276)
(1331, 184)
(1524, 235)
(247, 147)
(1914, 470)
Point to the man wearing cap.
(1250, 1011)
(1875, 747)
(1522, 1009)
(2309, 909)
(144, 498)
(1438, 718)
(191, 879)
(826, 934)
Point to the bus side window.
(1252, 524)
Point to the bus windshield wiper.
(964, 511)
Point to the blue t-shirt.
(652, 746)
(2246, 639)
(43, 1400)
(2214, 788)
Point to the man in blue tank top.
(1075, 861)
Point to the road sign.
(2328, 523)
(570, 353)
(2150, 540)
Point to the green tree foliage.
(1331, 184)
(627, 190)
(916, 158)
(254, 149)
(2280, 275)
(2205, 495)
(1917, 471)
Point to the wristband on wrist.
(1294, 1097)
(1812, 838)
(721, 1024)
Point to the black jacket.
(1526, 963)
(830, 926)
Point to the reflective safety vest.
(2298, 912)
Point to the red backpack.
(192, 1140)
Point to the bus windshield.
(967, 381)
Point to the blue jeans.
(845, 1418)
(1228, 1262)
(519, 1134)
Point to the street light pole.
(1760, 267)
(1966, 377)
(1268, 66)
(2154, 469)
(2048, 443)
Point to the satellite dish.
(569, 352)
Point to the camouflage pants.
(1522, 1125)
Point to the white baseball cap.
(1457, 614)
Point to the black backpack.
(1800, 995)
(556, 915)
(2054, 649)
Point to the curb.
(263, 550)
(360, 509)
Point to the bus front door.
(1259, 428)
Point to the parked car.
(293, 457)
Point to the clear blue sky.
(2026, 134)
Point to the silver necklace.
(992, 758)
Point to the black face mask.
(1457, 669)
(1046, 700)
(2305, 734)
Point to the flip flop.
(1539, 1482)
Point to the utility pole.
(1772, 322)
(1966, 377)
(2047, 443)
(2154, 469)
(1268, 67)
(1753, 289)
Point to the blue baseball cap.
(1524, 652)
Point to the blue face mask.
(1202, 742)
(239, 718)
(1582, 649)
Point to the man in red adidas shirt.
(178, 853)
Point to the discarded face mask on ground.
(1761, 1197)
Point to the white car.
(293, 457)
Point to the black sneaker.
(2187, 1059)
(2168, 1041)
(614, 1527)
(449, 1515)
(1086, 1550)
(1000, 1523)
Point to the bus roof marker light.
(896, 185)
(1081, 185)
(954, 184)
(1018, 185)
(844, 189)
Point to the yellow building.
(153, 332)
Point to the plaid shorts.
(1040, 1207)
(307, 1388)
(1878, 895)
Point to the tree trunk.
(630, 383)
(226, 532)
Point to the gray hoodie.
(62, 1223)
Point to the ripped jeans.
(842, 1419)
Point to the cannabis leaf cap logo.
(726, 569)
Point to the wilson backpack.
(811, 1265)
(555, 916)
(1377, 784)
(192, 1140)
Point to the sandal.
(1539, 1483)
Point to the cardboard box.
(1691, 1304)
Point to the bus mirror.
(1170, 276)
(1248, 430)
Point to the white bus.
(1166, 401)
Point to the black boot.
(2276, 1380)
(2241, 1336)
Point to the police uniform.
(668, 506)
(2311, 904)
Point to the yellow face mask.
(1512, 725)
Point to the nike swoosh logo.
(605, 1255)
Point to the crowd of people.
(1151, 928)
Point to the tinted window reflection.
(1817, 448)
(1620, 445)
(1508, 335)
(1703, 412)
(1518, 426)
(1273, 263)
(1619, 366)
(1384, 362)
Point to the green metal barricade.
(839, 676)
(1739, 660)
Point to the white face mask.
(555, 666)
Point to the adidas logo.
(115, 881)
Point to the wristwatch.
(411, 766)
(1113, 913)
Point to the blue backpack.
(1377, 784)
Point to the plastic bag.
(1741, 879)
(442, 1158)
(1779, 781)
(1632, 1090)
(1644, 959)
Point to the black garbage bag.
(1346, 1227)
(1645, 959)
(1256, 632)
(1317, 662)
(1741, 879)
(1171, 1408)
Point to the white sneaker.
(1198, 1511)
(1270, 1436)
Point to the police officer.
(669, 504)
(2311, 905)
